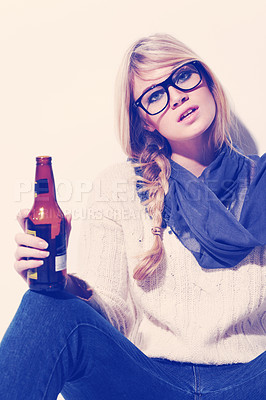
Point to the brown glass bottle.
(46, 220)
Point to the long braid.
(144, 56)
(155, 175)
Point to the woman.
(173, 250)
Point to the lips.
(187, 113)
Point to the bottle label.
(60, 262)
(41, 187)
(56, 261)
(32, 275)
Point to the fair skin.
(32, 246)
(188, 137)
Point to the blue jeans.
(59, 343)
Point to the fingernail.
(43, 245)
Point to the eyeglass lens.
(156, 99)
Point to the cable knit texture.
(183, 312)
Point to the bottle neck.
(44, 183)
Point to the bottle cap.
(43, 160)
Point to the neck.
(194, 155)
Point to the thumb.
(68, 219)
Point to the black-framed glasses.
(155, 99)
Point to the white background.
(59, 60)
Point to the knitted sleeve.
(103, 261)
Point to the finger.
(24, 239)
(26, 252)
(68, 218)
(21, 217)
(22, 266)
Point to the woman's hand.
(31, 246)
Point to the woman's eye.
(155, 96)
(183, 76)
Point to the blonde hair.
(152, 150)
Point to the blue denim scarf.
(221, 215)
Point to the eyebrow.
(150, 87)
(158, 84)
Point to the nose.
(177, 97)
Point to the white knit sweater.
(183, 312)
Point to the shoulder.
(117, 182)
(121, 170)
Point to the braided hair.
(150, 149)
(155, 172)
